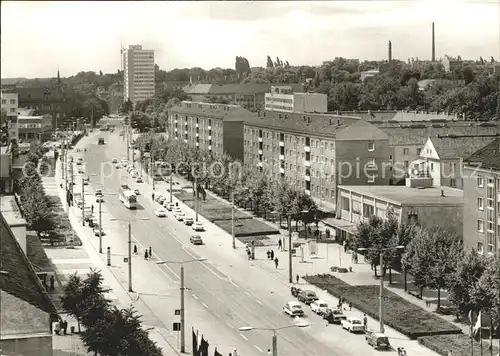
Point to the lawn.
(211, 208)
(460, 345)
(64, 231)
(247, 227)
(399, 313)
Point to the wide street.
(225, 292)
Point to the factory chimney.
(390, 52)
(433, 45)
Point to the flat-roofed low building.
(283, 98)
(481, 185)
(429, 208)
(35, 128)
(14, 218)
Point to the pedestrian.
(57, 328)
(272, 254)
(146, 254)
(365, 321)
(297, 278)
(153, 196)
(52, 283)
(268, 253)
(276, 261)
(150, 254)
(280, 245)
(65, 327)
(350, 306)
(135, 249)
(92, 208)
(176, 204)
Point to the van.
(100, 141)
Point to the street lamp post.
(197, 203)
(381, 289)
(232, 219)
(275, 337)
(130, 289)
(100, 226)
(182, 288)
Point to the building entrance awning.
(341, 224)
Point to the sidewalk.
(115, 278)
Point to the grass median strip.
(399, 313)
(460, 345)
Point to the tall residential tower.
(139, 73)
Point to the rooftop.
(21, 288)
(10, 211)
(450, 147)
(405, 196)
(207, 109)
(488, 156)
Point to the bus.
(127, 197)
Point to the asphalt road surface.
(232, 291)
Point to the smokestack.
(433, 44)
(390, 52)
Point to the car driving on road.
(188, 221)
(196, 240)
(161, 213)
(169, 206)
(293, 309)
(352, 324)
(180, 216)
(198, 226)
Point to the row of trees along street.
(34, 201)
(435, 259)
(108, 331)
(224, 176)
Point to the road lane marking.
(258, 348)
(243, 336)
(229, 325)
(206, 306)
(258, 301)
(194, 296)
(247, 293)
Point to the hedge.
(460, 345)
(399, 313)
(246, 227)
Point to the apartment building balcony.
(210, 137)
(260, 139)
(209, 127)
(176, 129)
(185, 132)
(307, 178)
(282, 170)
(175, 121)
(307, 149)
(282, 144)
(307, 163)
(197, 126)
(185, 141)
(308, 192)
(260, 152)
(282, 157)
(210, 148)
(197, 135)
(259, 164)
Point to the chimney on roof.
(390, 52)
(433, 45)
(442, 192)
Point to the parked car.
(169, 206)
(196, 240)
(99, 198)
(198, 226)
(180, 216)
(352, 324)
(334, 316)
(79, 203)
(161, 213)
(293, 309)
(378, 340)
(117, 166)
(307, 297)
(96, 230)
(319, 307)
(79, 161)
(98, 191)
(136, 191)
(138, 180)
(188, 221)
(115, 160)
(295, 291)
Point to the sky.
(39, 37)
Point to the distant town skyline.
(40, 37)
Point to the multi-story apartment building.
(217, 128)
(283, 98)
(9, 129)
(317, 152)
(139, 73)
(481, 186)
(35, 128)
(450, 63)
(441, 158)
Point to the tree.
(127, 106)
(269, 62)
(468, 74)
(486, 293)
(462, 282)
(72, 297)
(417, 259)
(242, 66)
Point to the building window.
(480, 248)
(432, 167)
(418, 151)
(345, 203)
(406, 151)
(371, 146)
(480, 225)
(480, 182)
(453, 182)
(480, 203)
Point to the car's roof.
(294, 303)
(353, 318)
(379, 335)
(320, 301)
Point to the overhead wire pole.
(130, 257)
(232, 219)
(83, 202)
(196, 196)
(100, 226)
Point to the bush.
(246, 227)
(399, 314)
(460, 345)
